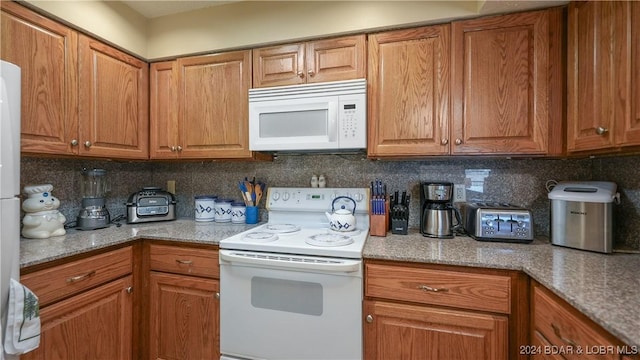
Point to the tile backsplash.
(517, 181)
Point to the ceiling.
(154, 8)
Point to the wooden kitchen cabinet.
(79, 96)
(86, 307)
(334, 59)
(184, 307)
(507, 87)
(415, 311)
(603, 112)
(558, 325)
(113, 102)
(200, 107)
(408, 92)
(163, 112)
(46, 53)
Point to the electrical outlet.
(459, 193)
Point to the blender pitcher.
(94, 213)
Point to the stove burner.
(282, 228)
(260, 237)
(329, 240)
(345, 233)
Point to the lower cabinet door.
(410, 332)
(96, 324)
(184, 317)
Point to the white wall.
(111, 21)
(254, 23)
(247, 24)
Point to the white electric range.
(292, 288)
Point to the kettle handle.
(353, 212)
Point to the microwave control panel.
(352, 123)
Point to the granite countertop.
(606, 288)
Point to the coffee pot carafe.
(437, 210)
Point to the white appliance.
(329, 116)
(9, 185)
(292, 288)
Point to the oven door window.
(272, 313)
(294, 296)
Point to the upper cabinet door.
(501, 83)
(631, 129)
(596, 64)
(213, 100)
(408, 92)
(163, 117)
(279, 65)
(113, 102)
(46, 52)
(336, 59)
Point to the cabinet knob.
(369, 319)
(217, 295)
(179, 148)
(601, 130)
(87, 143)
(311, 73)
(75, 142)
(300, 74)
(174, 149)
(129, 290)
(458, 141)
(444, 141)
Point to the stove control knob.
(285, 196)
(358, 197)
(275, 196)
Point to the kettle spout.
(328, 216)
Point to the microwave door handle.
(333, 124)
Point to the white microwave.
(329, 116)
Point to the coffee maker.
(437, 211)
(94, 213)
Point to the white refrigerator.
(9, 186)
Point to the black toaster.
(492, 221)
(151, 204)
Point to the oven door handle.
(290, 261)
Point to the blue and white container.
(205, 207)
(223, 210)
(238, 212)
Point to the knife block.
(379, 224)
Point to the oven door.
(289, 307)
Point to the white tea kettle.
(342, 219)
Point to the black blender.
(437, 211)
(94, 213)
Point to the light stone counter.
(606, 288)
(37, 251)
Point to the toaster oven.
(492, 221)
(151, 204)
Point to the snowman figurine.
(41, 219)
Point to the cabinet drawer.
(439, 287)
(181, 260)
(71, 278)
(565, 328)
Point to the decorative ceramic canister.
(223, 210)
(238, 212)
(42, 219)
(205, 207)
